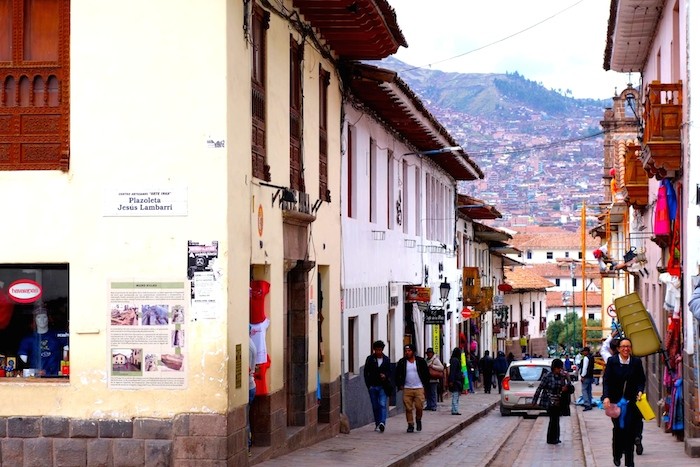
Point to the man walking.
(586, 378)
(377, 373)
(500, 366)
(486, 368)
(437, 371)
(412, 377)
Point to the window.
(352, 171)
(260, 23)
(324, 78)
(557, 282)
(550, 255)
(566, 254)
(352, 345)
(573, 282)
(372, 180)
(34, 84)
(591, 316)
(580, 255)
(34, 319)
(296, 169)
(529, 254)
(557, 317)
(390, 201)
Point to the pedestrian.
(437, 372)
(500, 366)
(377, 379)
(486, 368)
(456, 379)
(586, 375)
(624, 377)
(552, 388)
(252, 352)
(510, 358)
(471, 372)
(567, 363)
(412, 376)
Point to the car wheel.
(505, 412)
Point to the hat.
(411, 347)
(429, 350)
(597, 253)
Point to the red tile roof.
(524, 278)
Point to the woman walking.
(552, 387)
(456, 379)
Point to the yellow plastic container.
(645, 408)
(637, 325)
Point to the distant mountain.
(541, 150)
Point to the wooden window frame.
(324, 80)
(296, 162)
(35, 85)
(260, 22)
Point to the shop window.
(34, 321)
(34, 84)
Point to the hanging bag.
(645, 408)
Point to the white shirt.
(412, 379)
(624, 362)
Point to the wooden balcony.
(663, 116)
(486, 302)
(635, 180)
(471, 286)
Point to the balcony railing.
(663, 116)
(636, 180)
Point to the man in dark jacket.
(412, 376)
(624, 377)
(486, 368)
(500, 366)
(377, 380)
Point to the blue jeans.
(431, 396)
(377, 396)
(586, 389)
(455, 401)
(251, 397)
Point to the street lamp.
(444, 292)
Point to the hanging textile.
(674, 254)
(676, 419)
(662, 222)
(418, 326)
(465, 371)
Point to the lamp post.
(444, 294)
(572, 268)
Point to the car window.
(528, 373)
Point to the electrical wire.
(496, 41)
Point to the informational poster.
(204, 275)
(148, 334)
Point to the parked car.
(520, 383)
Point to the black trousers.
(623, 438)
(553, 431)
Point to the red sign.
(24, 291)
(505, 287)
(417, 294)
(466, 312)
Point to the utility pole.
(572, 269)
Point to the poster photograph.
(147, 334)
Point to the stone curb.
(412, 455)
(588, 459)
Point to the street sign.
(611, 311)
(434, 316)
(467, 312)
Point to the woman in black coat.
(456, 379)
(624, 376)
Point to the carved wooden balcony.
(487, 301)
(471, 286)
(636, 180)
(663, 115)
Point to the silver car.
(520, 383)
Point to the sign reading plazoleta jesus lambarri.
(146, 202)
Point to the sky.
(564, 52)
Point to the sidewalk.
(660, 448)
(394, 447)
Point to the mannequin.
(43, 348)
